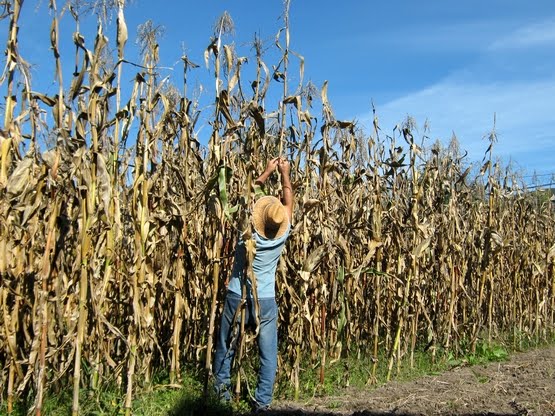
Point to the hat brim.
(258, 218)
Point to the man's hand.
(270, 168)
(272, 164)
(288, 199)
(283, 166)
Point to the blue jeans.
(267, 346)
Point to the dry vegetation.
(116, 239)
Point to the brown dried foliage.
(115, 243)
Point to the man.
(272, 224)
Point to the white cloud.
(540, 34)
(510, 87)
(438, 37)
(525, 120)
(466, 36)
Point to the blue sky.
(451, 64)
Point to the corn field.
(118, 224)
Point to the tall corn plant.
(116, 242)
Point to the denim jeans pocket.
(268, 309)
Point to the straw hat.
(270, 217)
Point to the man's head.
(270, 217)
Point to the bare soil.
(522, 385)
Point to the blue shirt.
(264, 265)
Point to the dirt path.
(523, 385)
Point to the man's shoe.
(259, 409)
(223, 394)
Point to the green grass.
(160, 399)
(356, 371)
(187, 400)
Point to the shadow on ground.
(200, 408)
